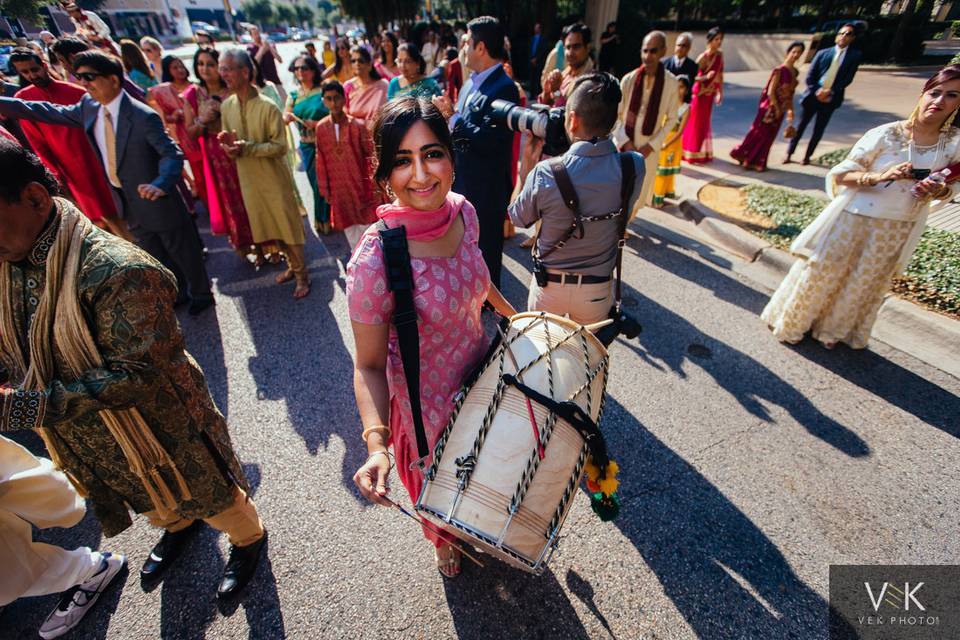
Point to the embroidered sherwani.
(665, 122)
(127, 298)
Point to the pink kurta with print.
(450, 293)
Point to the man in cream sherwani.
(648, 110)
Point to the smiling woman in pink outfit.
(451, 285)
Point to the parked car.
(278, 35)
(199, 25)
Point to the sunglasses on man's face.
(88, 76)
(846, 34)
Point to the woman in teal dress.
(305, 107)
(411, 81)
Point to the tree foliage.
(304, 12)
(258, 11)
(284, 13)
(378, 13)
(23, 9)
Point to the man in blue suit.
(484, 148)
(830, 72)
(142, 165)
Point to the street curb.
(901, 324)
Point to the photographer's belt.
(576, 278)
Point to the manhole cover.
(699, 351)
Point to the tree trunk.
(900, 35)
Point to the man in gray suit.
(142, 165)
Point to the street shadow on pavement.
(889, 381)
(670, 340)
(499, 601)
(301, 357)
(724, 575)
(205, 343)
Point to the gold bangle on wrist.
(383, 430)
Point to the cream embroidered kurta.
(666, 121)
(265, 179)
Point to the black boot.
(240, 568)
(166, 552)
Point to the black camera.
(623, 324)
(540, 120)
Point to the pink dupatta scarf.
(422, 226)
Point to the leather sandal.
(302, 290)
(286, 276)
(448, 567)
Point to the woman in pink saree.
(167, 99)
(775, 102)
(707, 89)
(202, 113)
(366, 91)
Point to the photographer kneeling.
(577, 246)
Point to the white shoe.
(77, 601)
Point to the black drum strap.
(400, 281)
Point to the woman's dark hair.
(414, 53)
(342, 43)
(165, 64)
(19, 167)
(489, 31)
(685, 79)
(796, 43)
(946, 74)
(363, 52)
(451, 53)
(133, 58)
(388, 35)
(311, 62)
(392, 123)
(713, 33)
(209, 51)
(23, 54)
(103, 63)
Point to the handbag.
(790, 132)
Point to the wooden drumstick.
(427, 523)
(533, 418)
(597, 325)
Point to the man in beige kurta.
(647, 143)
(254, 134)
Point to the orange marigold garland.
(602, 485)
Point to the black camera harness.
(569, 195)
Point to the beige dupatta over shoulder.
(59, 326)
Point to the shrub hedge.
(932, 277)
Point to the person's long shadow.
(527, 606)
(866, 369)
(670, 340)
(205, 343)
(723, 574)
(301, 357)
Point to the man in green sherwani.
(255, 135)
(92, 357)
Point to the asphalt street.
(748, 467)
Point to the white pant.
(32, 491)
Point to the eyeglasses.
(650, 50)
(846, 33)
(88, 76)
(301, 68)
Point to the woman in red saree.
(167, 100)
(775, 102)
(202, 115)
(707, 89)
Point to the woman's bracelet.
(390, 458)
(866, 179)
(383, 430)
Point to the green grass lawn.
(932, 277)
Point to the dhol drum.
(506, 468)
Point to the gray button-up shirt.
(595, 172)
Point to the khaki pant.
(583, 303)
(240, 522)
(32, 491)
(296, 261)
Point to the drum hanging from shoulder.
(496, 480)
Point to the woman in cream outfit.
(871, 227)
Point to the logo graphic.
(894, 602)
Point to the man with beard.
(66, 150)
